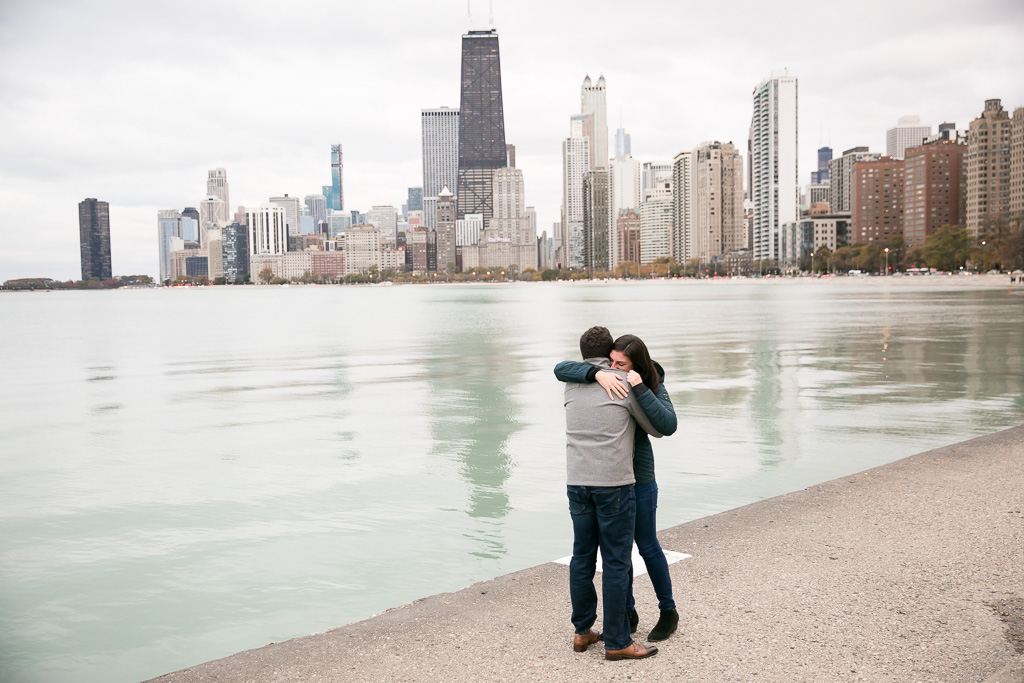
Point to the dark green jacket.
(656, 406)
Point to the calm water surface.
(185, 474)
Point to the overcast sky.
(132, 102)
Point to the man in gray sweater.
(599, 463)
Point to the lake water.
(189, 473)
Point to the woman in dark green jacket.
(647, 380)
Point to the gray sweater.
(599, 433)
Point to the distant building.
(623, 146)
(267, 230)
(628, 228)
(908, 133)
(774, 160)
(718, 200)
(656, 224)
(932, 197)
(625, 191)
(292, 212)
(235, 253)
(414, 201)
(468, 229)
(336, 199)
(446, 231)
(877, 200)
(317, 206)
(821, 175)
(363, 249)
(840, 175)
(655, 173)
(593, 100)
(575, 163)
(683, 206)
(385, 218)
(989, 164)
(168, 227)
(217, 186)
(212, 211)
(818, 193)
(440, 131)
(94, 238)
(481, 123)
(595, 220)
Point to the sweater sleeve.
(574, 371)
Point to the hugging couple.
(612, 492)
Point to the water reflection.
(473, 416)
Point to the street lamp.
(983, 260)
(887, 260)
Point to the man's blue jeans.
(647, 543)
(602, 517)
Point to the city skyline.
(116, 145)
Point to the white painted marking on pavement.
(639, 567)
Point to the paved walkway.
(913, 571)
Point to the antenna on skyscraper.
(491, 19)
(469, 14)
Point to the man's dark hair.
(596, 343)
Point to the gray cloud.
(133, 102)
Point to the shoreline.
(908, 571)
(943, 280)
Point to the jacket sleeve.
(574, 371)
(657, 407)
(633, 406)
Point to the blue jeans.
(601, 516)
(647, 543)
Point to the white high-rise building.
(908, 133)
(167, 228)
(385, 219)
(656, 173)
(292, 212)
(593, 100)
(430, 211)
(217, 186)
(212, 212)
(625, 191)
(268, 230)
(656, 223)
(575, 164)
(468, 229)
(775, 188)
(440, 129)
(683, 207)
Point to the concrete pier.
(913, 571)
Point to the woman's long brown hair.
(636, 352)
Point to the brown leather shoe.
(581, 641)
(634, 651)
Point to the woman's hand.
(612, 384)
(633, 378)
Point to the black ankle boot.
(634, 619)
(666, 625)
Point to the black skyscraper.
(94, 237)
(481, 123)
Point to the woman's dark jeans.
(646, 536)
